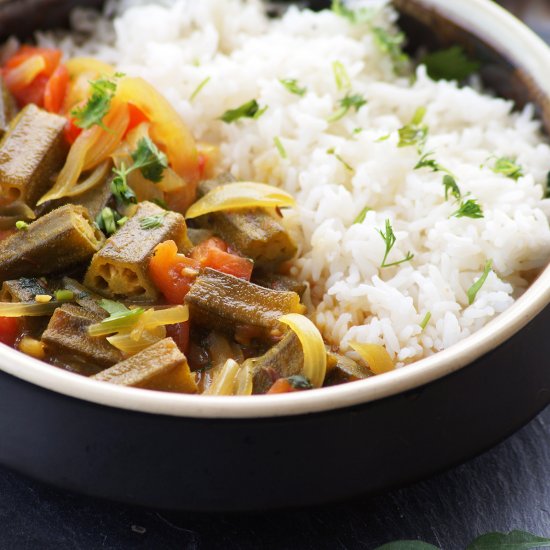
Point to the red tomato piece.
(214, 253)
(72, 131)
(56, 88)
(9, 330)
(137, 116)
(172, 273)
(282, 386)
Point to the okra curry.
(126, 257)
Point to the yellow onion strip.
(30, 309)
(98, 175)
(167, 128)
(313, 347)
(22, 75)
(129, 346)
(244, 194)
(90, 148)
(376, 356)
(224, 382)
(153, 318)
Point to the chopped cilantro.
(389, 239)
(450, 64)
(250, 109)
(341, 76)
(507, 167)
(451, 187)
(120, 316)
(390, 44)
(149, 160)
(348, 167)
(355, 101)
(362, 215)
(21, 225)
(107, 220)
(427, 162)
(468, 209)
(199, 88)
(92, 113)
(475, 288)
(426, 320)
(122, 192)
(547, 189)
(414, 133)
(152, 222)
(363, 15)
(299, 382)
(280, 147)
(291, 84)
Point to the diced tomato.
(179, 332)
(9, 330)
(32, 91)
(172, 273)
(213, 253)
(137, 116)
(282, 386)
(56, 88)
(72, 131)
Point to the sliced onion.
(224, 382)
(130, 346)
(153, 318)
(98, 176)
(167, 128)
(22, 75)
(244, 194)
(243, 381)
(313, 347)
(27, 309)
(376, 356)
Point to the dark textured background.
(504, 489)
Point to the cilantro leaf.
(362, 215)
(341, 76)
(475, 288)
(280, 147)
(507, 167)
(468, 209)
(149, 160)
(250, 109)
(152, 222)
(356, 17)
(389, 239)
(450, 64)
(291, 84)
(390, 44)
(198, 89)
(426, 320)
(122, 192)
(427, 162)
(299, 382)
(112, 307)
(346, 165)
(355, 101)
(515, 540)
(451, 187)
(98, 104)
(107, 220)
(414, 133)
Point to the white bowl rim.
(517, 42)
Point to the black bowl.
(247, 453)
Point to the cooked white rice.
(177, 45)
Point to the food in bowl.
(203, 199)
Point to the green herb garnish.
(507, 167)
(199, 88)
(414, 133)
(161, 203)
(426, 320)
(299, 382)
(99, 103)
(468, 209)
(152, 222)
(250, 109)
(363, 15)
(107, 220)
(64, 295)
(21, 225)
(475, 288)
(355, 101)
(341, 76)
(362, 215)
(291, 84)
(390, 44)
(347, 166)
(450, 64)
(122, 192)
(120, 317)
(427, 162)
(149, 159)
(280, 147)
(451, 187)
(389, 240)
(547, 190)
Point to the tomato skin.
(33, 93)
(172, 273)
(281, 386)
(179, 332)
(9, 330)
(202, 161)
(51, 57)
(137, 116)
(214, 253)
(56, 89)
(72, 131)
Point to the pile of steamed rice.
(177, 45)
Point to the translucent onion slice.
(118, 322)
(313, 347)
(22, 75)
(153, 318)
(375, 355)
(167, 128)
(224, 382)
(98, 175)
(244, 194)
(243, 381)
(27, 309)
(129, 346)
(90, 148)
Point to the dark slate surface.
(506, 488)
